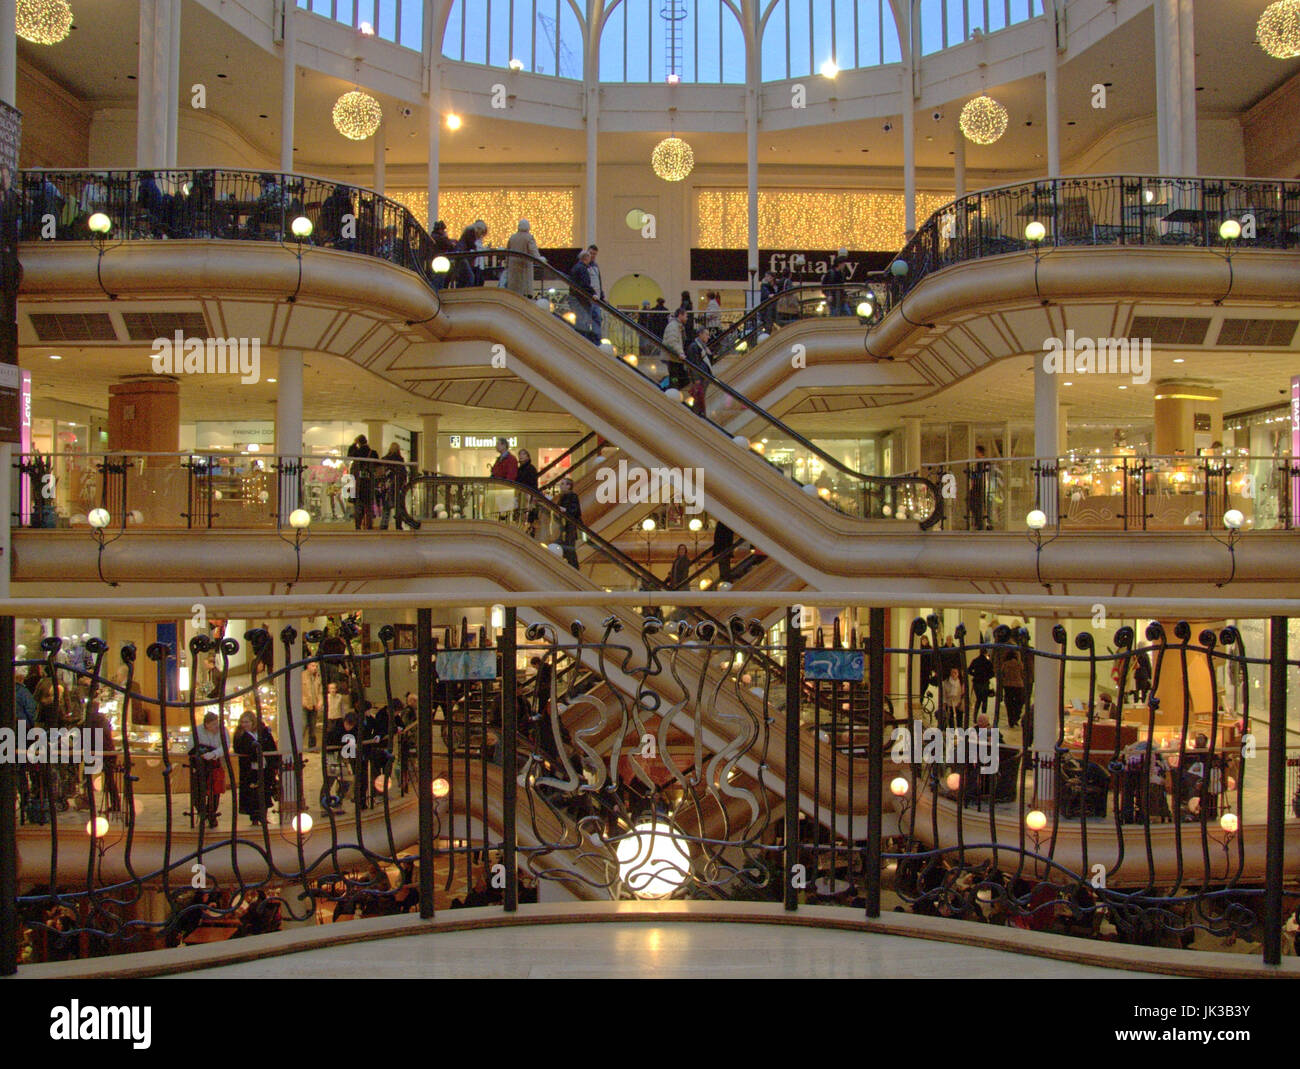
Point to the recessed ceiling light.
(1122, 387)
(1067, 384)
(55, 356)
(277, 380)
(1178, 360)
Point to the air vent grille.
(146, 326)
(1258, 333)
(73, 326)
(1170, 330)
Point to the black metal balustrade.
(661, 761)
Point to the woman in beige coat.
(519, 272)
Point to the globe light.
(43, 22)
(299, 518)
(983, 120)
(648, 524)
(899, 786)
(865, 309)
(763, 335)
(741, 441)
(652, 862)
(606, 346)
(696, 524)
(705, 583)
(724, 586)
(1228, 822)
(97, 827)
(810, 489)
(673, 394)
(381, 783)
(100, 223)
(301, 227)
(1036, 520)
(516, 64)
(954, 780)
(357, 115)
(441, 265)
(454, 121)
(302, 823)
(441, 788)
(1035, 231)
(1230, 230)
(672, 159)
(1233, 519)
(635, 219)
(98, 519)
(544, 303)
(1149, 196)
(1035, 820)
(1278, 29)
(556, 548)
(898, 268)
(830, 69)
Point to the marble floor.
(668, 951)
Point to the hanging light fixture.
(983, 120)
(357, 115)
(1278, 29)
(673, 159)
(43, 22)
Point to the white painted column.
(288, 418)
(1168, 86)
(288, 89)
(589, 172)
(909, 158)
(1047, 682)
(381, 142)
(145, 95)
(1187, 87)
(958, 161)
(159, 79)
(435, 140)
(429, 441)
(173, 82)
(1053, 100)
(751, 182)
(8, 52)
(911, 444)
(9, 94)
(1047, 428)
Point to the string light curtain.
(818, 219)
(552, 213)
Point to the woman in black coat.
(258, 767)
(527, 477)
(570, 503)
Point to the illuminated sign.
(475, 441)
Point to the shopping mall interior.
(839, 464)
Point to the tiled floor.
(622, 950)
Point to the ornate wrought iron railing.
(1002, 782)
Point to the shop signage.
(478, 441)
(834, 665)
(804, 265)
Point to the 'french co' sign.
(834, 664)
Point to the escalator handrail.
(880, 481)
(568, 452)
(751, 322)
(594, 451)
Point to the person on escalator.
(466, 273)
(766, 292)
(527, 478)
(724, 539)
(519, 269)
(700, 359)
(597, 291)
(570, 503)
(675, 344)
(681, 569)
(442, 246)
(506, 466)
(580, 293)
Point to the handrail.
(568, 452)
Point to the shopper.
(571, 504)
(505, 466)
(981, 678)
(392, 487)
(526, 477)
(259, 765)
(209, 751)
(519, 269)
(312, 697)
(363, 483)
(1013, 687)
(675, 349)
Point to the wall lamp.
(301, 229)
(99, 519)
(1036, 234)
(1229, 231)
(300, 521)
(1232, 521)
(1036, 521)
(100, 227)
